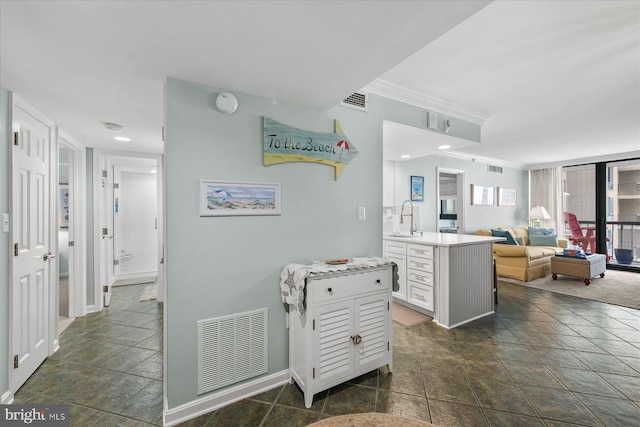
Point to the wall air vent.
(357, 101)
(496, 169)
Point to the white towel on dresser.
(293, 277)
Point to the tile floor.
(109, 366)
(542, 359)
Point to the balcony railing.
(623, 235)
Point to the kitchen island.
(448, 276)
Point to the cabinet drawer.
(420, 251)
(420, 277)
(421, 264)
(340, 286)
(421, 296)
(391, 246)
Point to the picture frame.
(417, 188)
(507, 197)
(63, 205)
(482, 195)
(239, 198)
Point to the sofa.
(526, 257)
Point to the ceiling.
(553, 80)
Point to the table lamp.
(537, 214)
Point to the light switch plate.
(362, 213)
(5, 222)
(432, 120)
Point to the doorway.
(450, 189)
(128, 218)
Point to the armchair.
(586, 240)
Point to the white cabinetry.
(397, 252)
(345, 330)
(420, 275)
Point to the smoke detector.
(113, 126)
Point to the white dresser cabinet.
(420, 275)
(345, 330)
(397, 252)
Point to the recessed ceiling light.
(405, 156)
(121, 138)
(444, 147)
(154, 170)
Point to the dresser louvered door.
(371, 325)
(334, 356)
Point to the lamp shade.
(537, 214)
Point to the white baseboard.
(216, 400)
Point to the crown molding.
(399, 93)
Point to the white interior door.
(31, 214)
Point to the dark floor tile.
(282, 416)
(605, 363)
(404, 405)
(613, 412)
(488, 370)
(268, 396)
(405, 356)
(441, 362)
(632, 362)
(557, 357)
(243, 413)
(134, 337)
(112, 420)
(532, 374)
(370, 379)
(617, 347)
(580, 344)
(434, 346)
(511, 351)
(146, 405)
(350, 399)
(75, 389)
(403, 380)
(81, 416)
(402, 335)
(585, 382)
(559, 405)
(449, 386)
(501, 396)
(506, 419)
(116, 393)
(293, 396)
(154, 342)
(127, 359)
(149, 368)
(199, 421)
(455, 414)
(627, 385)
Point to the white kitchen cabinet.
(397, 252)
(420, 275)
(345, 330)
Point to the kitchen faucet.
(412, 229)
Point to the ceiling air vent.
(496, 169)
(357, 101)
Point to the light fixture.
(405, 156)
(122, 138)
(537, 214)
(113, 126)
(444, 147)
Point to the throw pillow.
(520, 241)
(543, 240)
(541, 231)
(503, 233)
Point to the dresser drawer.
(391, 246)
(420, 277)
(420, 251)
(421, 264)
(327, 288)
(420, 295)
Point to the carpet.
(138, 281)
(370, 420)
(408, 317)
(150, 292)
(616, 287)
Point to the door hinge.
(105, 231)
(16, 138)
(104, 174)
(71, 243)
(388, 348)
(116, 185)
(105, 289)
(387, 305)
(314, 324)
(314, 371)
(16, 250)
(16, 362)
(116, 262)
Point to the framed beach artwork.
(507, 196)
(234, 198)
(417, 188)
(481, 195)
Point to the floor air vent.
(357, 101)
(231, 349)
(496, 169)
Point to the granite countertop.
(444, 239)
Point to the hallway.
(109, 366)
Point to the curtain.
(546, 191)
